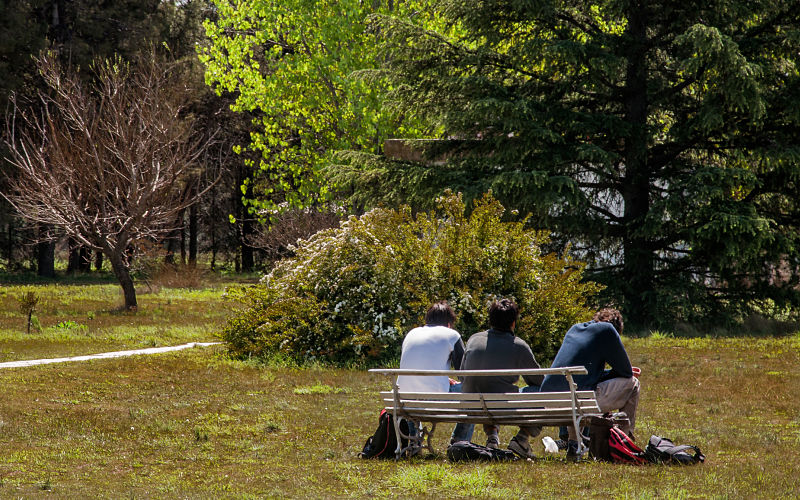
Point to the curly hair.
(609, 315)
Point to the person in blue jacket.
(594, 345)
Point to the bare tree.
(106, 162)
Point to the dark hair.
(502, 314)
(440, 314)
(612, 316)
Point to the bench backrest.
(544, 408)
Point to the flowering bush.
(352, 292)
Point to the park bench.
(520, 408)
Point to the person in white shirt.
(435, 346)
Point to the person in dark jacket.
(498, 348)
(594, 345)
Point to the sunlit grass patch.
(320, 389)
(476, 481)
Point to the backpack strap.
(675, 449)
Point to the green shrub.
(352, 292)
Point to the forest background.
(656, 142)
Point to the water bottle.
(550, 446)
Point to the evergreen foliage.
(353, 291)
(660, 137)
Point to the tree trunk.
(46, 259)
(73, 261)
(122, 272)
(98, 261)
(85, 260)
(248, 262)
(638, 293)
(183, 243)
(193, 235)
(172, 247)
(10, 246)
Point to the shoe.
(561, 443)
(572, 451)
(521, 448)
(493, 441)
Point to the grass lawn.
(73, 320)
(195, 424)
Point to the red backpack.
(623, 450)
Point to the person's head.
(612, 316)
(503, 314)
(440, 314)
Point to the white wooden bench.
(518, 408)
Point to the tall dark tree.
(660, 137)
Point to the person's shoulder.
(519, 341)
(420, 330)
(442, 330)
(592, 327)
(477, 336)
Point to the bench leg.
(430, 436)
(415, 442)
(582, 448)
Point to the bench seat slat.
(582, 404)
(501, 420)
(574, 370)
(466, 396)
(531, 412)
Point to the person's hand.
(453, 382)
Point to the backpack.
(383, 443)
(600, 434)
(599, 430)
(664, 451)
(465, 451)
(623, 450)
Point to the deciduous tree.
(106, 162)
(292, 64)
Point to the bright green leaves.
(292, 63)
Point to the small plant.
(270, 427)
(46, 485)
(69, 325)
(27, 305)
(200, 435)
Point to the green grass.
(194, 424)
(83, 319)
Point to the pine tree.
(659, 137)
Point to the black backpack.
(383, 443)
(464, 451)
(664, 451)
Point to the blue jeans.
(461, 432)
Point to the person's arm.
(457, 355)
(527, 360)
(616, 355)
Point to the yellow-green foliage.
(352, 292)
